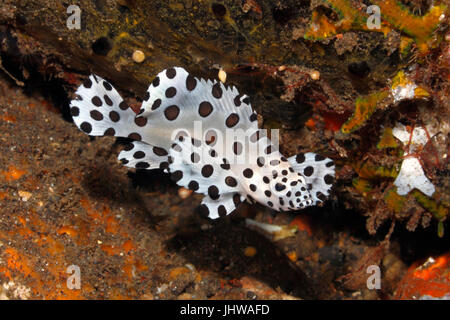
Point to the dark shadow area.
(334, 218)
(152, 180)
(422, 243)
(35, 74)
(265, 93)
(107, 186)
(101, 46)
(414, 246)
(220, 249)
(219, 10)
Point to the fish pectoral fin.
(141, 155)
(318, 172)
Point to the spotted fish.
(166, 135)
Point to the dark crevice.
(101, 46)
(360, 69)
(38, 74)
(219, 10)
(282, 15)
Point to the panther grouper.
(206, 136)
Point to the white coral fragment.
(404, 92)
(419, 136)
(403, 88)
(411, 174)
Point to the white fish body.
(206, 136)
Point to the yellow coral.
(394, 201)
(368, 171)
(439, 210)
(320, 27)
(403, 88)
(405, 44)
(362, 185)
(394, 15)
(420, 92)
(364, 108)
(419, 28)
(400, 79)
(387, 140)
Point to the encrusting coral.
(402, 88)
(393, 16)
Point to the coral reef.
(394, 16)
(402, 88)
(372, 99)
(364, 108)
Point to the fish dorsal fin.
(176, 100)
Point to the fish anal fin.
(224, 205)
